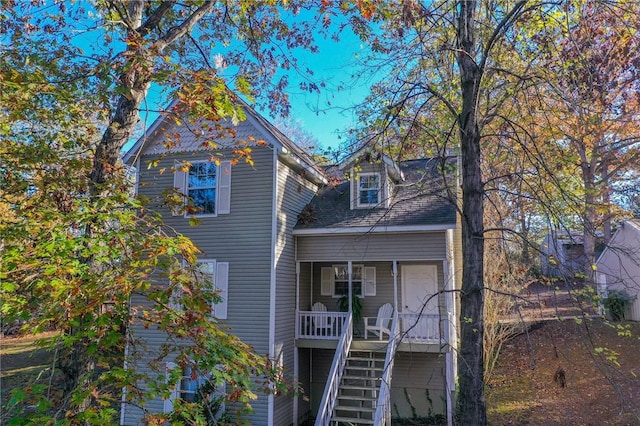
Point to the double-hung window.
(202, 187)
(194, 387)
(206, 187)
(368, 189)
(335, 280)
(341, 280)
(216, 274)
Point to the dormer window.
(368, 189)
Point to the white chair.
(321, 323)
(382, 323)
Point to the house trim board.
(123, 403)
(373, 229)
(296, 367)
(449, 269)
(272, 289)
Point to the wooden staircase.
(358, 391)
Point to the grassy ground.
(22, 363)
(568, 373)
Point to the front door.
(420, 319)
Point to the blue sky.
(330, 113)
(324, 115)
(327, 114)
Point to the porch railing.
(335, 374)
(383, 408)
(320, 325)
(414, 328)
(418, 328)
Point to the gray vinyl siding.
(140, 353)
(419, 381)
(294, 192)
(305, 285)
(304, 384)
(384, 289)
(372, 247)
(242, 238)
(321, 360)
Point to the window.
(368, 189)
(335, 280)
(205, 185)
(194, 387)
(341, 280)
(216, 273)
(201, 187)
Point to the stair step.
(355, 409)
(357, 387)
(358, 398)
(362, 378)
(364, 358)
(352, 420)
(357, 367)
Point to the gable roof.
(391, 166)
(630, 225)
(419, 203)
(192, 137)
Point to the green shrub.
(616, 304)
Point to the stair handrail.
(383, 408)
(335, 375)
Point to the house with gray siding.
(306, 260)
(618, 267)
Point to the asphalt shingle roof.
(422, 199)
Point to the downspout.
(452, 338)
(296, 373)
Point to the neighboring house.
(618, 267)
(562, 253)
(286, 240)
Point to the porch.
(327, 291)
(418, 333)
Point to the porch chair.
(321, 323)
(383, 320)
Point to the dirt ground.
(576, 371)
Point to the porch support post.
(350, 272)
(311, 285)
(297, 319)
(394, 271)
(297, 285)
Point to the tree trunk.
(589, 222)
(606, 197)
(471, 406)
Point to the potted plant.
(356, 308)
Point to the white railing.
(335, 375)
(383, 407)
(418, 328)
(414, 328)
(320, 325)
